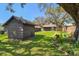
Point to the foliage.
(11, 9)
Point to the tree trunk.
(76, 33)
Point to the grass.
(45, 43)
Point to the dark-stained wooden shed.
(19, 28)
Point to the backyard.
(43, 44)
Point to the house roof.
(50, 25)
(37, 27)
(69, 24)
(24, 21)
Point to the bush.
(1, 32)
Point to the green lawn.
(44, 43)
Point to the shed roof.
(24, 21)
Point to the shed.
(49, 27)
(19, 28)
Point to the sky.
(29, 12)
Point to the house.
(37, 28)
(49, 27)
(45, 27)
(19, 28)
(69, 28)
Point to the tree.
(55, 14)
(73, 10)
(40, 21)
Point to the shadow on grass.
(25, 48)
(39, 46)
